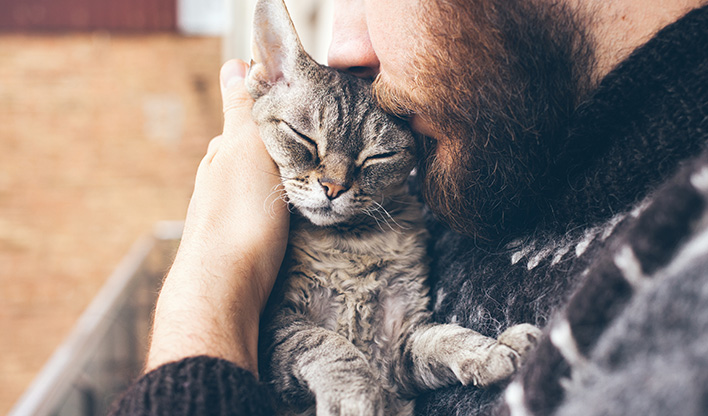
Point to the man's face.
(375, 38)
(490, 83)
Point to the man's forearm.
(200, 312)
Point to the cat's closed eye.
(301, 138)
(380, 157)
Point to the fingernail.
(232, 72)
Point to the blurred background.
(106, 108)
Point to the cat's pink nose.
(332, 189)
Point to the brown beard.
(498, 80)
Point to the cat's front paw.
(503, 358)
(521, 338)
(366, 401)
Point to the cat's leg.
(309, 360)
(439, 355)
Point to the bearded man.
(565, 169)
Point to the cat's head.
(339, 154)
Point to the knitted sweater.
(628, 206)
(615, 270)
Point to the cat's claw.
(521, 338)
(503, 358)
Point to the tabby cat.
(347, 330)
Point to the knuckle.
(212, 149)
(214, 143)
(237, 99)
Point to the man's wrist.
(206, 313)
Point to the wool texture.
(195, 386)
(628, 207)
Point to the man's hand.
(233, 244)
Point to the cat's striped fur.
(347, 330)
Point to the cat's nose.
(331, 188)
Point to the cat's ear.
(276, 47)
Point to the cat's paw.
(366, 401)
(503, 358)
(521, 338)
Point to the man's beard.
(498, 81)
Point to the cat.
(347, 330)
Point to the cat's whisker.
(278, 175)
(384, 218)
(403, 201)
(277, 193)
(288, 205)
(280, 190)
(371, 213)
(281, 176)
(389, 216)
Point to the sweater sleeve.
(195, 386)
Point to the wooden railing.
(106, 350)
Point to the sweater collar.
(646, 116)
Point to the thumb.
(236, 100)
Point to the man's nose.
(351, 48)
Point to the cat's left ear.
(276, 47)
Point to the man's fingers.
(213, 148)
(240, 131)
(236, 100)
(234, 96)
(240, 143)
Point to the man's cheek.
(424, 127)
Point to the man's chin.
(478, 203)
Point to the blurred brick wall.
(83, 15)
(100, 137)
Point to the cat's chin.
(322, 217)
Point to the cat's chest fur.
(365, 281)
